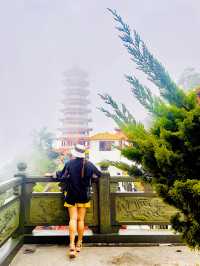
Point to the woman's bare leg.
(72, 224)
(80, 224)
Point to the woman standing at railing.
(76, 177)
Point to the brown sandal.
(72, 252)
(79, 246)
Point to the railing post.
(104, 203)
(147, 188)
(21, 167)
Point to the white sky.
(40, 39)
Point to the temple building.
(75, 112)
(104, 146)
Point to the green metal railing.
(22, 209)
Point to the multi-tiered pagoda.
(75, 122)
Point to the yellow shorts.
(78, 205)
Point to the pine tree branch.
(118, 121)
(147, 63)
(132, 170)
(121, 116)
(144, 95)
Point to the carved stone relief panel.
(9, 220)
(3, 197)
(142, 209)
(50, 210)
(47, 210)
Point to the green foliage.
(43, 139)
(43, 159)
(39, 187)
(148, 64)
(144, 95)
(168, 153)
(155, 72)
(41, 164)
(104, 164)
(46, 187)
(131, 170)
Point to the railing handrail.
(116, 179)
(8, 184)
(32, 179)
(22, 208)
(11, 182)
(113, 179)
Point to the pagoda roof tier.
(75, 133)
(73, 115)
(73, 110)
(82, 108)
(74, 126)
(77, 101)
(76, 87)
(73, 137)
(76, 83)
(75, 105)
(77, 115)
(75, 91)
(75, 130)
(75, 97)
(71, 124)
(76, 72)
(76, 120)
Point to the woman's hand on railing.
(95, 179)
(50, 175)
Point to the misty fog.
(41, 39)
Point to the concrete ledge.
(9, 250)
(105, 239)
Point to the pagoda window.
(105, 145)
